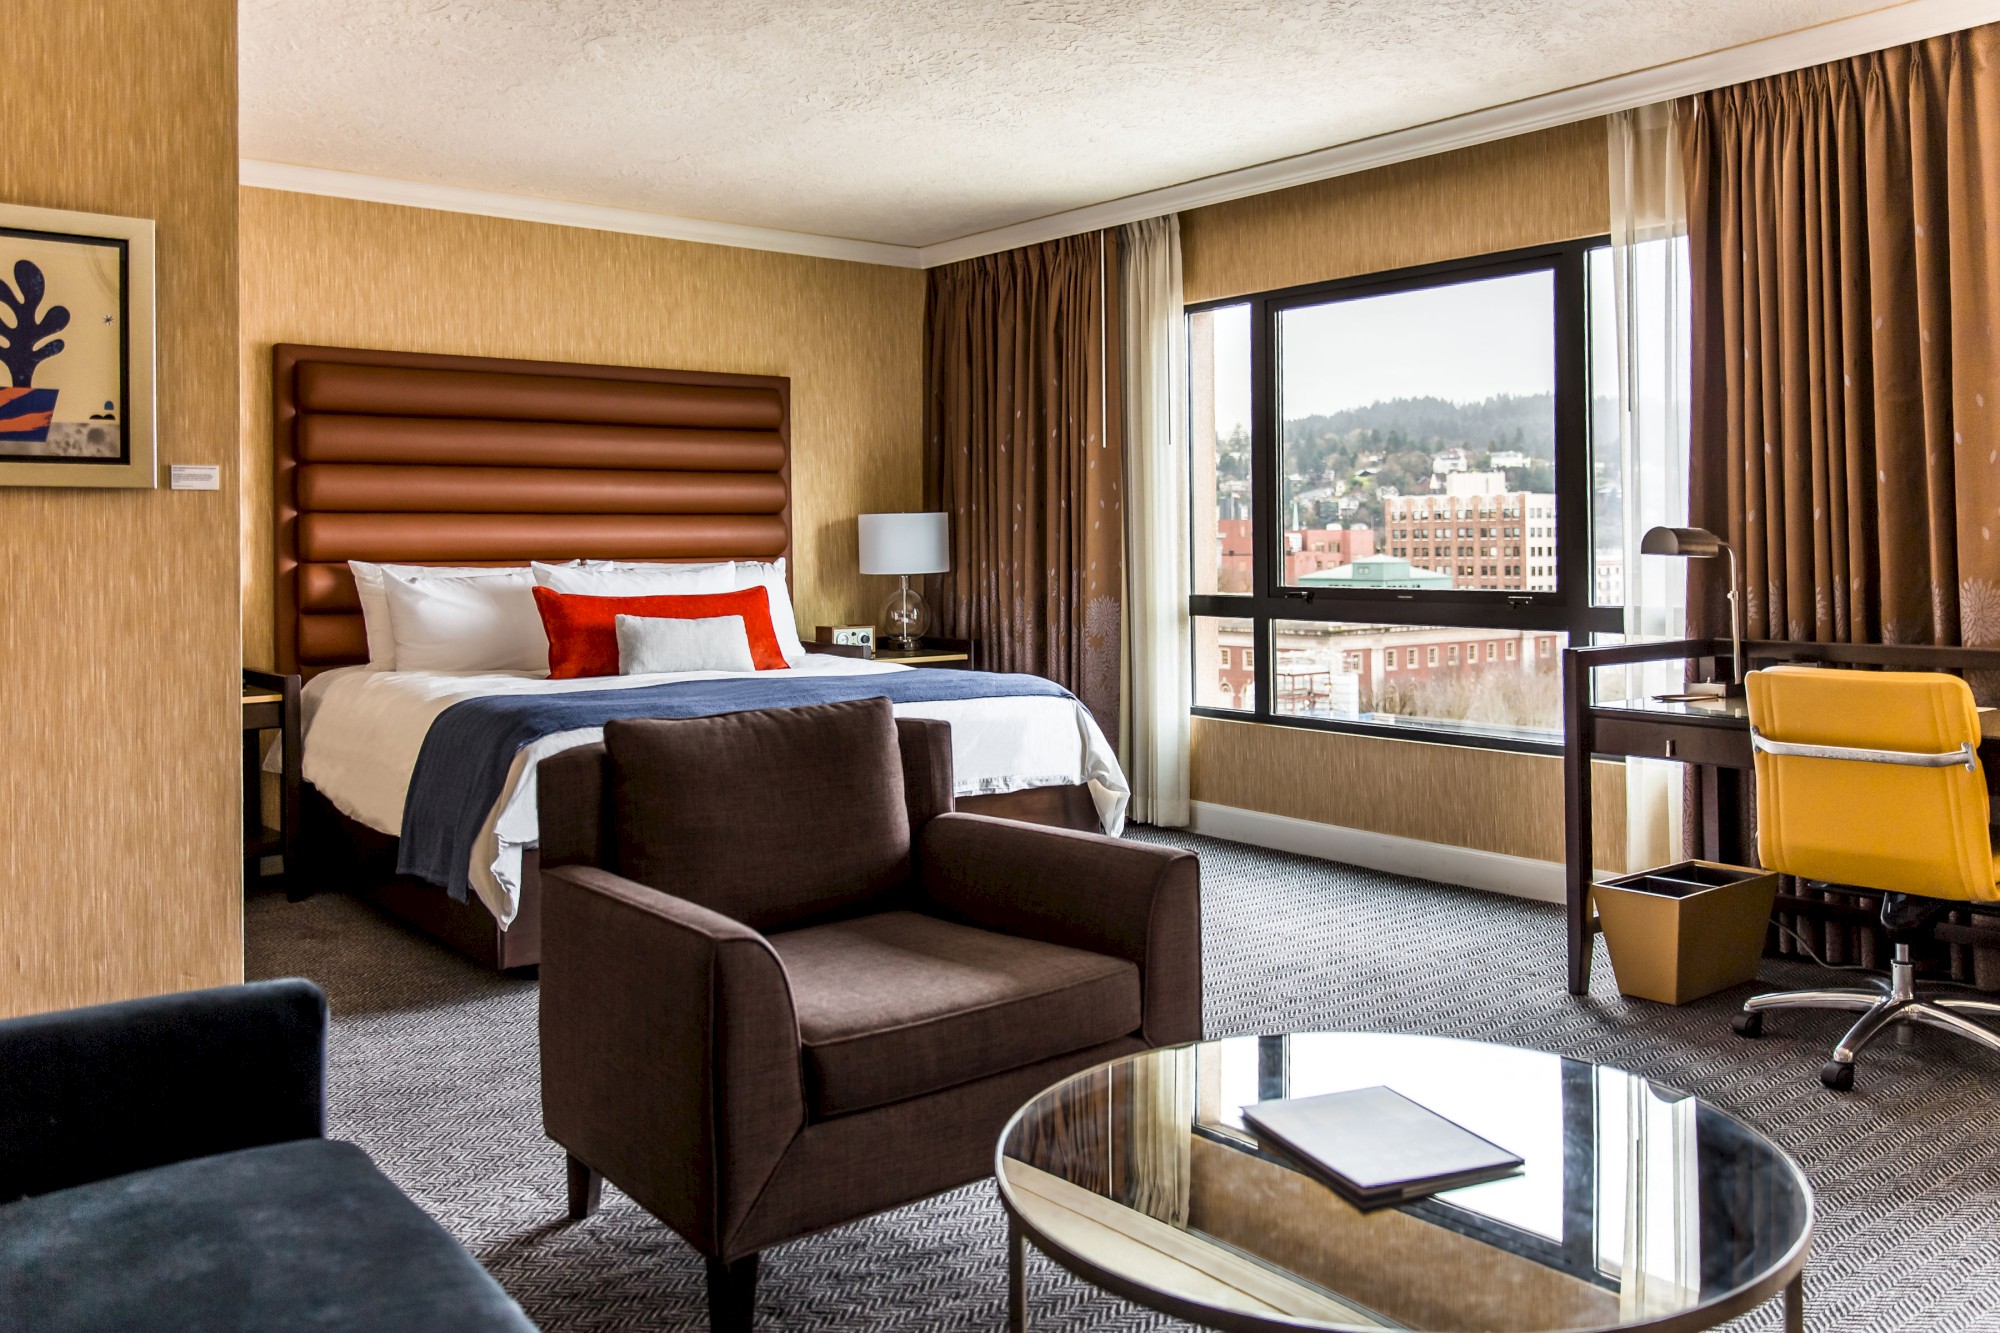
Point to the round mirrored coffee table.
(1639, 1207)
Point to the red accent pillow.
(583, 630)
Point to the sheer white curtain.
(1649, 262)
(1158, 683)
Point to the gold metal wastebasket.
(1685, 930)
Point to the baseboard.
(1518, 876)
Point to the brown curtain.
(1844, 226)
(1844, 232)
(1024, 450)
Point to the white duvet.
(363, 730)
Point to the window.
(1415, 460)
(1323, 674)
(1216, 641)
(1219, 448)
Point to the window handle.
(1520, 601)
(1298, 594)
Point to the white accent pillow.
(375, 604)
(482, 622)
(650, 644)
(637, 580)
(770, 574)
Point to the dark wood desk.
(1712, 735)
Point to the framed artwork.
(76, 349)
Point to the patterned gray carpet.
(433, 1071)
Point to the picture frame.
(76, 349)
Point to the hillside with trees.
(1387, 448)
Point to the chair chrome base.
(1882, 1007)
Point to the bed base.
(345, 856)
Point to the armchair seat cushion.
(300, 1235)
(899, 1004)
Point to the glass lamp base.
(904, 617)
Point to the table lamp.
(1701, 544)
(904, 544)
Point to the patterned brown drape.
(1844, 233)
(1844, 227)
(1024, 449)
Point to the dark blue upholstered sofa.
(164, 1164)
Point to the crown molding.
(1835, 40)
(564, 213)
(1839, 39)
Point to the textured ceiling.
(911, 121)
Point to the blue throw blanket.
(463, 765)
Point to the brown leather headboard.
(461, 460)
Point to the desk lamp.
(1701, 544)
(904, 544)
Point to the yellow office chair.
(1871, 779)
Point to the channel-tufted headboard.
(459, 460)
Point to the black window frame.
(1568, 610)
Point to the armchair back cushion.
(772, 818)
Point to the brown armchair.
(784, 986)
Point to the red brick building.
(1335, 671)
(1307, 550)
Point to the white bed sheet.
(363, 730)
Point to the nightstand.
(270, 703)
(955, 653)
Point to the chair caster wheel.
(1748, 1024)
(1838, 1076)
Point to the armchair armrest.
(86, 1094)
(1124, 899)
(671, 1060)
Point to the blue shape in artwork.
(18, 349)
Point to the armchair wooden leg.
(586, 1190)
(732, 1295)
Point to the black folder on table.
(1376, 1147)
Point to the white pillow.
(649, 644)
(637, 580)
(375, 605)
(770, 575)
(478, 622)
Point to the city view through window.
(1416, 450)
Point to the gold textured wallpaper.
(1541, 187)
(1490, 800)
(120, 814)
(346, 273)
(1525, 191)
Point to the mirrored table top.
(1639, 1206)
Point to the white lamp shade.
(904, 544)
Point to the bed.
(464, 461)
